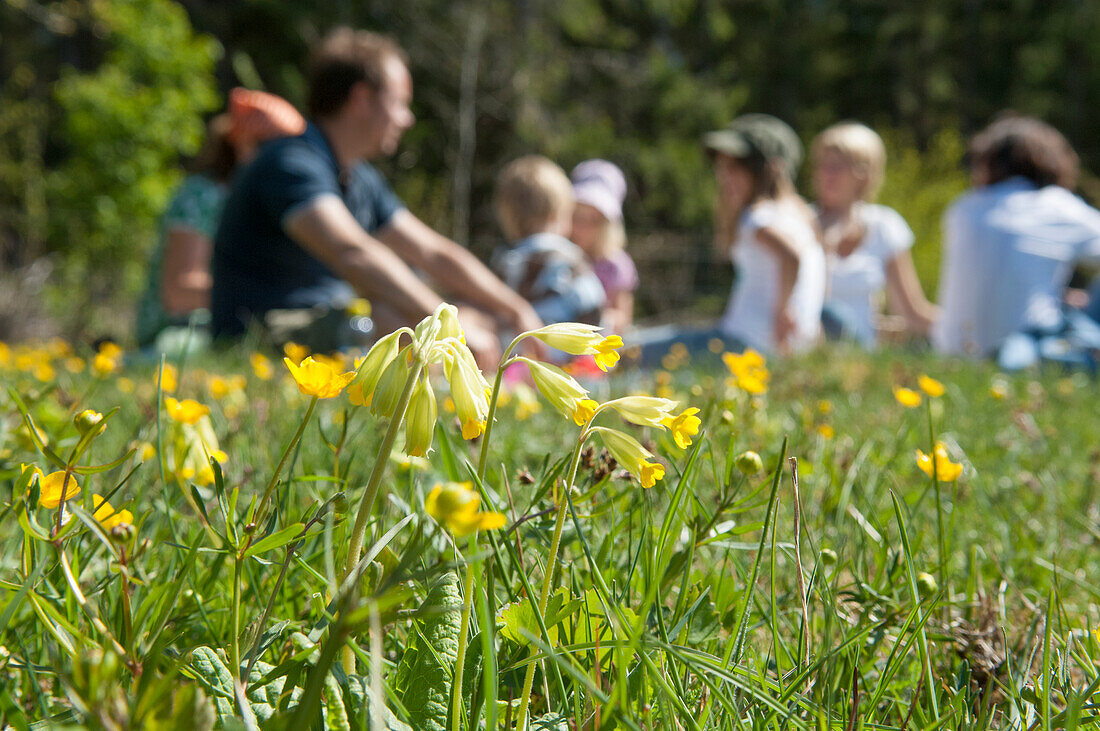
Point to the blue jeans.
(1070, 345)
(656, 342)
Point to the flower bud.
(750, 463)
(87, 420)
(926, 584)
(420, 418)
(828, 557)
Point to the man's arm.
(460, 271)
(326, 229)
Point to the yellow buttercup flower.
(103, 365)
(583, 410)
(930, 386)
(50, 487)
(749, 370)
(318, 379)
(261, 366)
(187, 411)
(907, 397)
(684, 426)
(944, 469)
(107, 516)
(295, 352)
(169, 378)
(457, 506)
(826, 431)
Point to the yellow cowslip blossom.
(556, 386)
(383, 402)
(907, 397)
(107, 516)
(261, 366)
(420, 418)
(50, 487)
(187, 411)
(930, 386)
(575, 338)
(629, 453)
(371, 368)
(644, 410)
(583, 411)
(296, 352)
(458, 507)
(684, 426)
(944, 469)
(749, 370)
(468, 389)
(318, 379)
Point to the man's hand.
(785, 327)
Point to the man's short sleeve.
(291, 177)
(379, 197)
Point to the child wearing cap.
(600, 188)
(534, 204)
(179, 278)
(866, 245)
(768, 231)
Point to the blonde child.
(534, 204)
(768, 231)
(867, 246)
(600, 188)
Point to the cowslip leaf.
(426, 670)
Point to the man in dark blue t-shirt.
(309, 223)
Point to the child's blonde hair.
(531, 193)
(861, 147)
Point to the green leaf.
(275, 540)
(426, 670)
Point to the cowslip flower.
(644, 410)
(51, 486)
(575, 338)
(930, 386)
(944, 469)
(468, 390)
(583, 411)
(683, 426)
(420, 418)
(371, 367)
(628, 452)
(558, 387)
(187, 411)
(907, 397)
(107, 516)
(457, 506)
(318, 379)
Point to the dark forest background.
(101, 101)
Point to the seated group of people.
(285, 224)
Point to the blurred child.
(534, 203)
(600, 188)
(1010, 246)
(768, 230)
(866, 245)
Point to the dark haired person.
(179, 269)
(311, 223)
(1010, 245)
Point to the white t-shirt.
(1009, 250)
(750, 314)
(857, 280)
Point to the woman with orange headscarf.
(178, 290)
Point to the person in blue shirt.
(310, 224)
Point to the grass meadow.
(824, 582)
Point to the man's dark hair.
(218, 157)
(1024, 146)
(342, 59)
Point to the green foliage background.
(101, 100)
